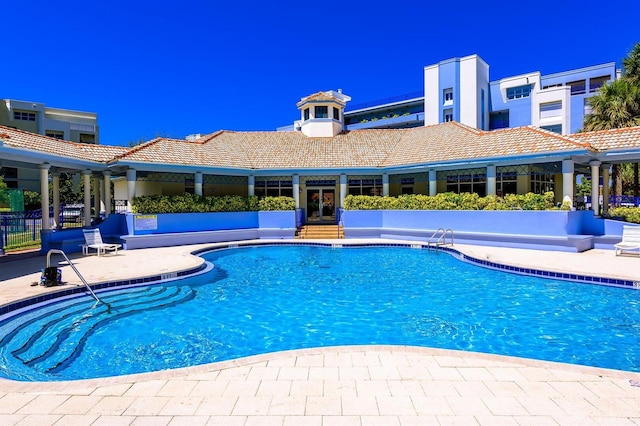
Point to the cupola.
(322, 114)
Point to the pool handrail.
(86, 284)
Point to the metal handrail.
(76, 271)
(441, 239)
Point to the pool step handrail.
(439, 238)
(86, 284)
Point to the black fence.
(22, 229)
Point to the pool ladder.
(86, 284)
(439, 238)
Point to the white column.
(197, 183)
(295, 181)
(343, 189)
(605, 188)
(595, 185)
(568, 181)
(131, 188)
(251, 185)
(385, 184)
(44, 195)
(107, 193)
(55, 183)
(86, 174)
(433, 182)
(491, 180)
(96, 197)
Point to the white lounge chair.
(93, 240)
(630, 241)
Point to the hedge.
(452, 201)
(190, 203)
(629, 214)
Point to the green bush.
(629, 214)
(276, 203)
(452, 201)
(190, 203)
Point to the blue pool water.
(265, 299)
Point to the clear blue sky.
(171, 68)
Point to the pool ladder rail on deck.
(439, 238)
(86, 284)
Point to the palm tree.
(617, 105)
(631, 65)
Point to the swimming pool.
(265, 299)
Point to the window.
(365, 186)
(448, 115)
(322, 112)
(551, 109)
(556, 128)
(10, 176)
(273, 188)
(549, 86)
(499, 120)
(24, 116)
(85, 138)
(306, 113)
(597, 82)
(578, 87)
(447, 95)
(519, 92)
(336, 114)
(470, 181)
(506, 183)
(55, 134)
(541, 182)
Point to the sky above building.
(153, 68)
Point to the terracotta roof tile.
(605, 140)
(83, 151)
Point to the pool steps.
(74, 324)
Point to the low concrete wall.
(551, 230)
(170, 229)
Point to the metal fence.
(22, 229)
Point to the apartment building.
(57, 123)
(460, 89)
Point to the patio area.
(355, 385)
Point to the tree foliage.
(617, 105)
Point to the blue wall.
(190, 222)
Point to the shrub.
(629, 214)
(190, 203)
(276, 203)
(452, 201)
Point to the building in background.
(459, 89)
(36, 117)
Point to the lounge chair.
(93, 240)
(630, 241)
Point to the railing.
(583, 202)
(86, 284)
(20, 228)
(399, 98)
(119, 206)
(439, 238)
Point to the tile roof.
(21, 139)
(371, 148)
(605, 140)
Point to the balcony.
(403, 121)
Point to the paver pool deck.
(348, 385)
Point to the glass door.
(321, 207)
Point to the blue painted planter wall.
(559, 223)
(194, 222)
